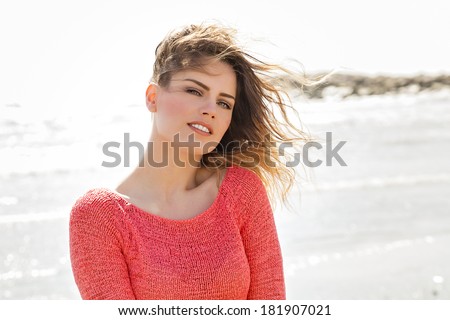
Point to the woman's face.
(195, 107)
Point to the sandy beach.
(378, 228)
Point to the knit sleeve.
(98, 263)
(261, 244)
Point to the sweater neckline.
(201, 215)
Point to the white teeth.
(200, 127)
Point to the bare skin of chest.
(181, 206)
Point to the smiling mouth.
(200, 127)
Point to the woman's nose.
(209, 109)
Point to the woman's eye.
(193, 91)
(224, 105)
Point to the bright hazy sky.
(71, 55)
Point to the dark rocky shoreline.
(345, 85)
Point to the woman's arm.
(262, 247)
(98, 263)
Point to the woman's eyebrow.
(204, 86)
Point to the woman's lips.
(201, 128)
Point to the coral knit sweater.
(230, 251)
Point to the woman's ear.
(150, 96)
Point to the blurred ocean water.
(377, 228)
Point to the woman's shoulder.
(95, 196)
(242, 174)
(247, 193)
(95, 201)
(244, 181)
(97, 214)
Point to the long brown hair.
(255, 128)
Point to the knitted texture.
(230, 251)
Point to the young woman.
(193, 220)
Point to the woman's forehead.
(210, 66)
(216, 72)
